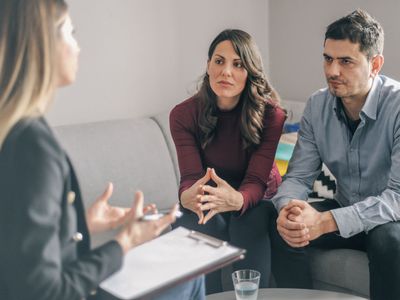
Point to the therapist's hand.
(219, 199)
(190, 197)
(101, 216)
(137, 232)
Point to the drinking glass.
(246, 284)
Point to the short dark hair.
(358, 27)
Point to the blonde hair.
(28, 39)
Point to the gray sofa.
(139, 154)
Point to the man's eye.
(328, 59)
(346, 61)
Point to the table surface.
(287, 294)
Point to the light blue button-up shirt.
(366, 165)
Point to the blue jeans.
(192, 290)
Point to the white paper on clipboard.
(170, 258)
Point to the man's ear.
(377, 64)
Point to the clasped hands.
(299, 223)
(201, 197)
(101, 216)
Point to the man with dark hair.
(353, 127)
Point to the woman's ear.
(208, 64)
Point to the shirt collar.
(370, 107)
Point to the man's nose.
(332, 69)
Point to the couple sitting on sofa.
(226, 135)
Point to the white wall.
(141, 57)
(297, 29)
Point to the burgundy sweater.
(248, 171)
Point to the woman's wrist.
(239, 201)
(122, 241)
(183, 198)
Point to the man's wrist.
(328, 222)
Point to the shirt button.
(71, 197)
(93, 292)
(77, 237)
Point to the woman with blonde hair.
(226, 136)
(41, 210)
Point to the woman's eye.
(238, 65)
(218, 61)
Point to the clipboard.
(168, 260)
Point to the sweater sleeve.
(183, 131)
(260, 165)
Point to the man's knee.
(383, 242)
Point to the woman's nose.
(227, 70)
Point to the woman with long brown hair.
(226, 136)
(44, 252)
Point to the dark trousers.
(249, 231)
(291, 267)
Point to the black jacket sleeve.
(38, 257)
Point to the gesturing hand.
(189, 198)
(221, 198)
(137, 232)
(101, 216)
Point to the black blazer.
(44, 241)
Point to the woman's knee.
(216, 227)
(252, 228)
(255, 217)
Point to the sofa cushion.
(132, 154)
(163, 121)
(342, 270)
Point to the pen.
(153, 217)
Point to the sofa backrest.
(162, 120)
(133, 154)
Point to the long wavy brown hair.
(28, 37)
(255, 98)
